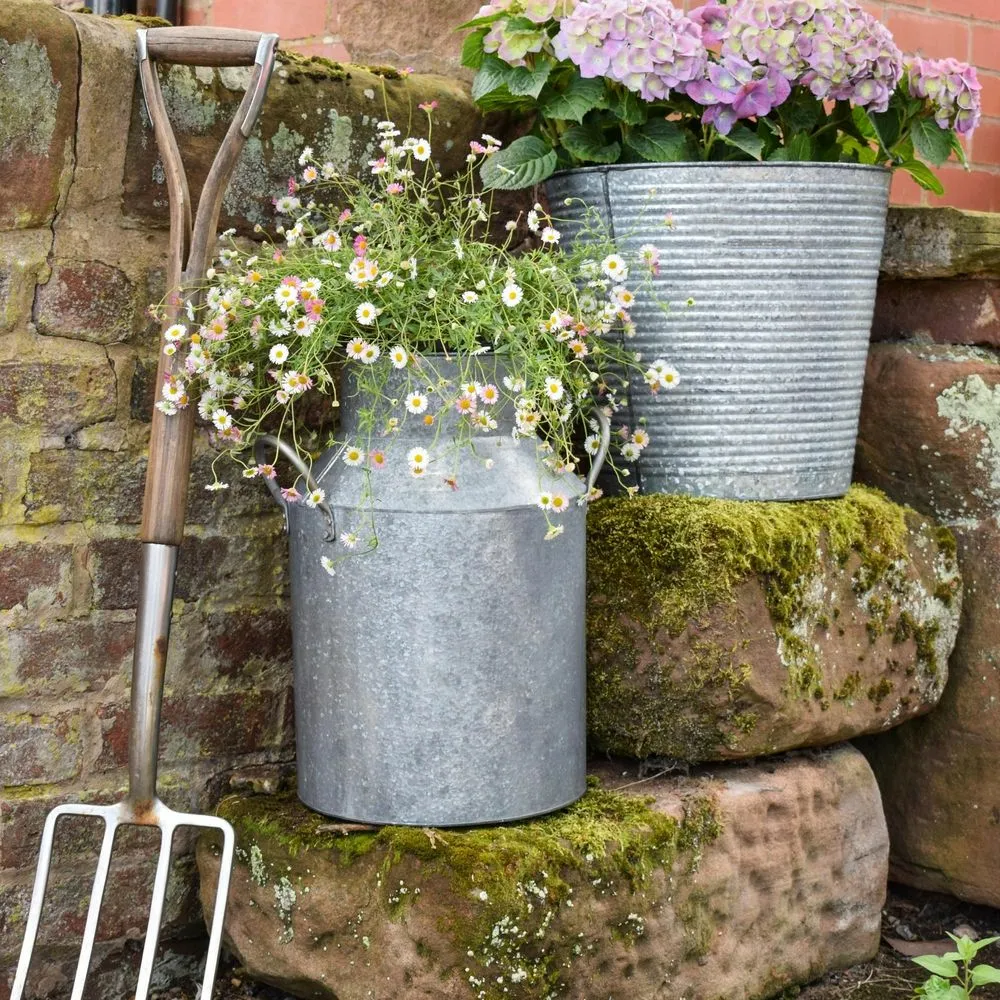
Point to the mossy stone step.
(733, 883)
(722, 629)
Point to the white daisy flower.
(286, 296)
(554, 388)
(417, 458)
(398, 357)
(349, 539)
(544, 501)
(370, 354)
(511, 295)
(668, 377)
(222, 419)
(355, 348)
(366, 313)
(533, 223)
(278, 354)
(614, 267)
(489, 394)
(630, 451)
(327, 563)
(592, 444)
(550, 235)
(558, 504)
(622, 297)
(421, 149)
(353, 455)
(470, 297)
(554, 531)
(416, 402)
(315, 497)
(640, 438)
(174, 334)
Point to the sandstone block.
(87, 393)
(35, 575)
(940, 243)
(38, 748)
(721, 629)
(956, 311)
(420, 33)
(735, 884)
(930, 429)
(88, 300)
(38, 92)
(65, 658)
(938, 775)
(23, 261)
(311, 101)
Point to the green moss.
(29, 99)
(877, 693)
(507, 884)
(658, 564)
(143, 20)
(301, 67)
(849, 689)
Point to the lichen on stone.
(973, 405)
(510, 888)
(29, 97)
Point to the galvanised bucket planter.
(770, 272)
(440, 679)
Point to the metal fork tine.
(219, 912)
(155, 911)
(35, 908)
(94, 910)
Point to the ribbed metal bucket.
(770, 272)
(440, 680)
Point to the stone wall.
(82, 247)
(930, 437)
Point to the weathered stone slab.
(38, 91)
(721, 629)
(734, 884)
(313, 102)
(930, 429)
(938, 775)
(946, 311)
(940, 243)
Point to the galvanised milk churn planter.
(440, 678)
(769, 270)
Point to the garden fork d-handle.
(190, 245)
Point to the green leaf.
(965, 948)
(479, 22)
(526, 161)
(802, 112)
(944, 967)
(983, 974)
(887, 125)
(923, 175)
(959, 150)
(587, 142)
(799, 147)
(524, 82)
(985, 942)
(472, 49)
(931, 142)
(628, 107)
(491, 76)
(740, 137)
(661, 141)
(863, 123)
(574, 102)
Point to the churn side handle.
(602, 451)
(289, 452)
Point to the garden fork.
(164, 508)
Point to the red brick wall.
(420, 33)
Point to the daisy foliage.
(380, 274)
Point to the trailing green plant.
(954, 977)
(380, 275)
(620, 81)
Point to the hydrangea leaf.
(575, 101)
(923, 175)
(524, 82)
(491, 76)
(472, 49)
(741, 138)
(801, 112)
(958, 149)
(931, 142)
(799, 147)
(629, 108)
(887, 126)
(484, 21)
(587, 142)
(526, 161)
(661, 141)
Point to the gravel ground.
(914, 918)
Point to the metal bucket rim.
(605, 168)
